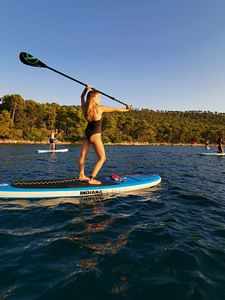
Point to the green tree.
(5, 124)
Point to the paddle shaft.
(82, 83)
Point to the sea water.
(162, 243)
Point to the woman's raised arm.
(82, 96)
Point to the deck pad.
(59, 183)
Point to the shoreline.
(21, 142)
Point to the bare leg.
(83, 154)
(96, 141)
(52, 146)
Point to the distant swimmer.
(220, 145)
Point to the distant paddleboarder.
(93, 111)
(207, 144)
(52, 139)
(220, 145)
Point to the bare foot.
(84, 178)
(94, 181)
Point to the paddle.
(29, 60)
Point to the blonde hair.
(90, 106)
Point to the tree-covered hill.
(29, 120)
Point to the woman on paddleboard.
(93, 111)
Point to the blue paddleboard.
(74, 188)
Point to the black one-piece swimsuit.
(93, 127)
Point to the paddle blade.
(29, 60)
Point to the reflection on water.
(87, 265)
(109, 247)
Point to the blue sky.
(156, 54)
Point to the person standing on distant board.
(93, 111)
(206, 144)
(52, 139)
(220, 145)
